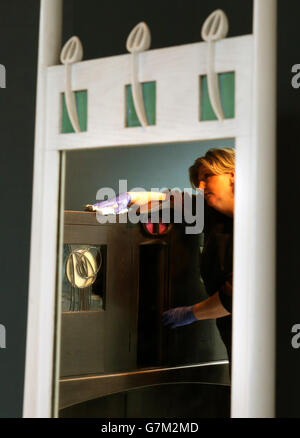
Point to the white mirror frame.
(253, 58)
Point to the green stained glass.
(226, 85)
(149, 95)
(81, 104)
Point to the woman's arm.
(210, 308)
(142, 198)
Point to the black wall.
(103, 28)
(288, 216)
(18, 53)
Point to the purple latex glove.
(178, 316)
(117, 203)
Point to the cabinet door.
(100, 341)
(121, 292)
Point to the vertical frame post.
(253, 373)
(41, 304)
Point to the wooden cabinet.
(142, 275)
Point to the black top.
(217, 256)
(216, 262)
(216, 265)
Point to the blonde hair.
(216, 161)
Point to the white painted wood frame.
(176, 71)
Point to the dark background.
(103, 28)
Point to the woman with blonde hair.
(214, 174)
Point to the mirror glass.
(118, 278)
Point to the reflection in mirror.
(84, 278)
(189, 400)
(118, 279)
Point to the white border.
(176, 72)
(41, 303)
(253, 371)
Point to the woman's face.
(219, 191)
